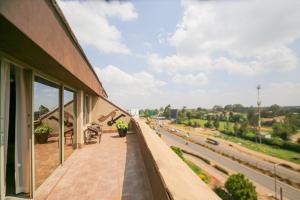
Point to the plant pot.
(122, 132)
(42, 139)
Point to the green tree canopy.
(252, 117)
(167, 111)
(283, 130)
(240, 188)
(43, 110)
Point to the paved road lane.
(266, 181)
(224, 147)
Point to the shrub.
(291, 146)
(178, 151)
(283, 130)
(122, 125)
(208, 124)
(41, 133)
(240, 188)
(43, 129)
(286, 166)
(201, 174)
(222, 193)
(221, 169)
(200, 157)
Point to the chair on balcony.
(92, 132)
(69, 134)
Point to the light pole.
(275, 181)
(275, 184)
(258, 108)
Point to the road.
(264, 180)
(262, 164)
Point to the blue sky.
(191, 53)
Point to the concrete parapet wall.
(170, 177)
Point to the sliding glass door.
(47, 153)
(37, 129)
(69, 122)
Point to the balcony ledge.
(179, 181)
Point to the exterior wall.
(80, 126)
(43, 24)
(103, 111)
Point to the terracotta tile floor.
(47, 158)
(112, 170)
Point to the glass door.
(47, 153)
(69, 122)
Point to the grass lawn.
(201, 174)
(202, 122)
(266, 149)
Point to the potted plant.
(42, 133)
(122, 128)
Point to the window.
(86, 109)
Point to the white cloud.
(245, 37)
(88, 20)
(129, 89)
(190, 79)
(282, 93)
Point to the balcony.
(139, 166)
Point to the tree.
(236, 127)
(217, 124)
(181, 116)
(217, 108)
(238, 108)
(146, 113)
(208, 124)
(293, 119)
(283, 130)
(228, 108)
(252, 117)
(274, 109)
(243, 129)
(189, 114)
(240, 188)
(43, 110)
(167, 111)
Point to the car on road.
(212, 141)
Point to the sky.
(149, 54)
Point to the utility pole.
(275, 182)
(258, 108)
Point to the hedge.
(276, 142)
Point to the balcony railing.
(169, 177)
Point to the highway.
(225, 148)
(256, 176)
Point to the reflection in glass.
(46, 129)
(69, 122)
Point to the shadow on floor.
(136, 185)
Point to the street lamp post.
(275, 181)
(258, 108)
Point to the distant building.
(134, 112)
(173, 114)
